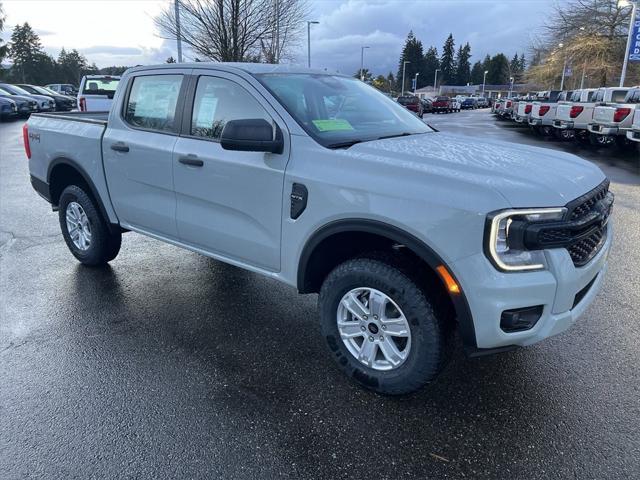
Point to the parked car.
(96, 92)
(405, 232)
(543, 110)
(456, 106)
(412, 103)
(8, 108)
(482, 102)
(24, 105)
(44, 103)
(574, 118)
(442, 104)
(64, 89)
(614, 120)
(634, 133)
(63, 103)
(469, 103)
(427, 105)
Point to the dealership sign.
(634, 49)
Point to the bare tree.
(235, 30)
(593, 36)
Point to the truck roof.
(251, 68)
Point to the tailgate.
(562, 112)
(604, 114)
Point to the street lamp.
(178, 34)
(415, 83)
(634, 7)
(435, 80)
(309, 23)
(484, 80)
(564, 68)
(362, 63)
(404, 68)
(511, 87)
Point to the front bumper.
(634, 135)
(490, 292)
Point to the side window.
(219, 100)
(152, 102)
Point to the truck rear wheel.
(380, 327)
(84, 229)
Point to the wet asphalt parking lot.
(167, 364)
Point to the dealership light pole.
(484, 81)
(415, 83)
(435, 80)
(634, 8)
(309, 23)
(511, 87)
(404, 69)
(362, 63)
(178, 35)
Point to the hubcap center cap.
(373, 328)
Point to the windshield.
(43, 90)
(14, 90)
(340, 111)
(4, 93)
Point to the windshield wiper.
(346, 144)
(403, 134)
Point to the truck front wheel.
(380, 327)
(84, 230)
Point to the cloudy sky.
(122, 32)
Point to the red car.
(442, 104)
(412, 103)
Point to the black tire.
(104, 245)
(600, 140)
(430, 333)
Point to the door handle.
(120, 147)
(191, 160)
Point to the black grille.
(584, 250)
(583, 230)
(585, 204)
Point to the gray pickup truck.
(321, 182)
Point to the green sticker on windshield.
(332, 125)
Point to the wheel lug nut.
(384, 327)
(364, 316)
(375, 317)
(381, 338)
(362, 328)
(371, 339)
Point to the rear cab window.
(100, 86)
(152, 101)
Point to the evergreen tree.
(432, 63)
(498, 70)
(170, 60)
(25, 51)
(463, 66)
(477, 73)
(71, 66)
(365, 74)
(412, 52)
(3, 48)
(447, 62)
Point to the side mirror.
(252, 135)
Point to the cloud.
(110, 50)
(489, 26)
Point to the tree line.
(31, 64)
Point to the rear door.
(138, 149)
(229, 203)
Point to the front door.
(138, 152)
(229, 203)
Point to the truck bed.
(87, 117)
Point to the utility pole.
(309, 23)
(634, 8)
(404, 68)
(564, 68)
(362, 63)
(178, 34)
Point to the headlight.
(508, 253)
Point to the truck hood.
(525, 176)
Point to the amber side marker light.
(451, 284)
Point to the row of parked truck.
(602, 116)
